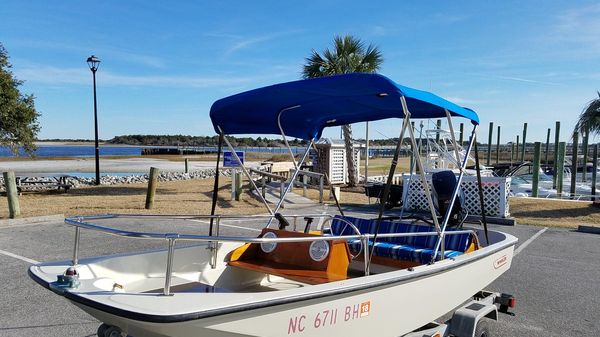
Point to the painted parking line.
(231, 226)
(526, 243)
(18, 257)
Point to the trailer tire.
(113, 331)
(483, 328)
(101, 330)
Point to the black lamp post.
(94, 62)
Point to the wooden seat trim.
(292, 260)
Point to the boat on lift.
(350, 276)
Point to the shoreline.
(87, 165)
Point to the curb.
(32, 220)
(589, 229)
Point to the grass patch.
(194, 197)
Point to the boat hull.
(391, 304)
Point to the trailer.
(472, 319)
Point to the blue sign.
(229, 159)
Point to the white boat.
(349, 276)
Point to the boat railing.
(213, 240)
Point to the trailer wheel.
(101, 330)
(483, 328)
(113, 331)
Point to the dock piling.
(574, 163)
(556, 145)
(524, 141)
(489, 144)
(498, 146)
(560, 167)
(547, 147)
(584, 149)
(536, 169)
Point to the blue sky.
(164, 63)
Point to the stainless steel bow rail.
(83, 222)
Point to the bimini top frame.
(302, 109)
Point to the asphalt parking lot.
(555, 277)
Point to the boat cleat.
(68, 280)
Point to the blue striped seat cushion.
(415, 248)
(402, 252)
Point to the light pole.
(94, 62)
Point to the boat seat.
(418, 249)
(293, 260)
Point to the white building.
(331, 159)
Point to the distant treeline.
(181, 140)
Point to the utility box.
(330, 159)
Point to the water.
(77, 151)
(111, 150)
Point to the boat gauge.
(268, 247)
(318, 250)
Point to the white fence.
(495, 195)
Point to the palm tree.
(589, 120)
(348, 56)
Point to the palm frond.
(347, 56)
(589, 119)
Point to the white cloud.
(581, 26)
(81, 76)
(249, 42)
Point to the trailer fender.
(464, 321)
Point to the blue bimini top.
(305, 107)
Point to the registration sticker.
(365, 308)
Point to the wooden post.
(547, 146)
(536, 169)
(584, 149)
(560, 167)
(489, 145)
(437, 134)
(574, 163)
(152, 182)
(304, 182)
(498, 146)
(512, 151)
(264, 186)
(517, 150)
(556, 141)
(321, 189)
(187, 165)
(238, 185)
(10, 184)
(524, 141)
(462, 131)
(594, 170)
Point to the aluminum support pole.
(239, 161)
(454, 196)
(453, 137)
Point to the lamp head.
(93, 62)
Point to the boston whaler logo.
(500, 262)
